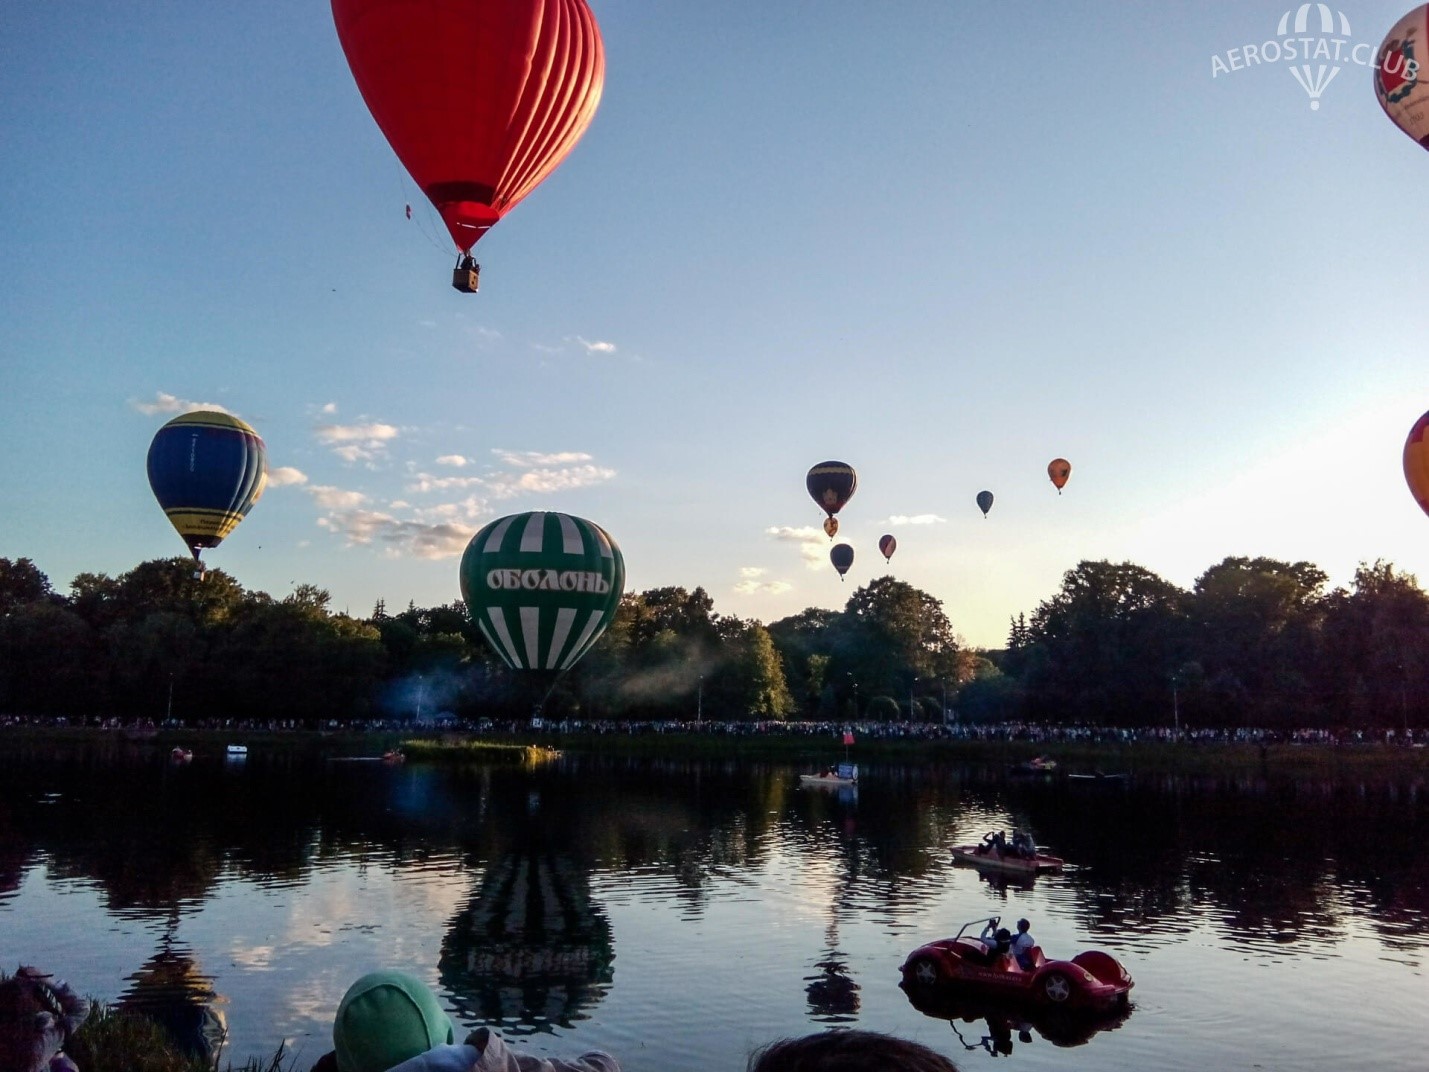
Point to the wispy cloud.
(167, 403)
(916, 519)
(544, 481)
(439, 532)
(454, 460)
(813, 544)
(285, 476)
(752, 582)
(527, 459)
(595, 347)
(356, 442)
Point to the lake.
(679, 914)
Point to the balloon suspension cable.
(540, 711)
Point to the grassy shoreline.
(1351, 762)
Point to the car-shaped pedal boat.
(1093, 981)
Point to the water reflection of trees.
(1271, 863)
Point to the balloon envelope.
(207, 469)
(887, 545)
(841, 555)
(1059, 469)
(1402, 56)
(479, 99)
(831, 485)
(831, 527)
(542, 587)
(1416, 461)
(984, 500)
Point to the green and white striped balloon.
(542, 586)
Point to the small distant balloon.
(887, 545)
(1416, 462)
(1402, 94)
(831, 527)
(1059, 469)
(984, 500)
(842, 557)
(831, 485)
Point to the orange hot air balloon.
(480, 99)
(1416, 461)
(831, 527)
(1059, 469)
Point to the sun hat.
(385, 1018)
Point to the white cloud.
(424, 482)
(328, 408)
(526, 459)
(749, 573)
(916, 519)
(167, 403)
(752, 585)
(813, 544)
(594, 347)
(454, 460)
(542, 481)
(331, 498)
(286, 476)
(356, 442)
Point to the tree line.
(1255, 642)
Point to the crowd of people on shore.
(1004, 732)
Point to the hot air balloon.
(1059, 469)
(886, 546)
(831, 527)
(542, 586)
(1402, 94)
(479, 99)
(1416, 461)
(841, 555)
(831, 485)
(207, 469)
(984, 498)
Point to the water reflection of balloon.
(542, 586)
(1416, 461)
(841, 556)
(831, 485)
(1402, 94)
(481, 100)
(206, 469)
(1059, 469)
(886, 546)
(831, 527)
(984, 502)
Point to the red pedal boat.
(1092, 981)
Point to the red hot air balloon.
(886, 546)
(1416, 461)
(479, 99)
(1058, 469)
(1402, 94)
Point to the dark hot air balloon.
(984, 500)
(1059, 469)
(831, 485)
(841, 555)
(480, 99)
(1402, 94)
(542, 587)
(1416, 461)
(886, 546)
(207, 469)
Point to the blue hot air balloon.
(984, 502)
(841, 555)
(207, 469)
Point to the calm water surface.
(679, 914)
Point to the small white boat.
(238, 750)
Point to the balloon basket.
(465, 279)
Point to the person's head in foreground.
(385, 1018)
(848, 1051)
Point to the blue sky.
(942, 242)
